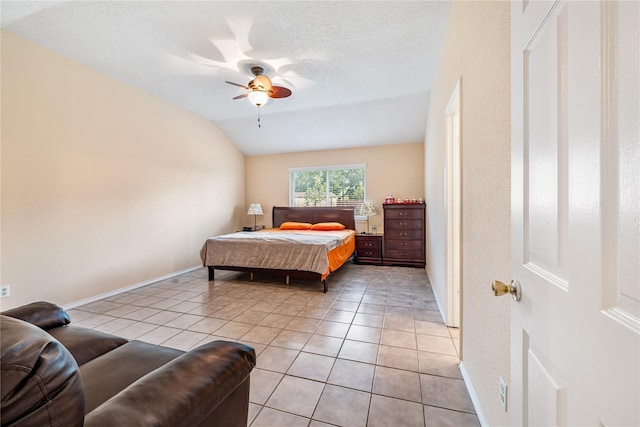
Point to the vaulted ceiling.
(360, 71)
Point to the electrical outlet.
(4, 291)
(503, 394)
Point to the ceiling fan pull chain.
(259, 116)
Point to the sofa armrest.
(41, 384)
(182, 392)
(45, 315)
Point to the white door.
(575, 343)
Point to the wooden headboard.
(314, 215)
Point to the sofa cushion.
(86, 344)
(207, 386)
(107, 375)
(41, 385)
(42, 314)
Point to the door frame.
(453, 198)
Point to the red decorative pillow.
(328, 226)
(290, 225)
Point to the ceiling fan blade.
(280, 92)
(237, 84)
(244, 95)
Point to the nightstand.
(368, 248)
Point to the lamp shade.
(255, 209)
(368, 209)
(258, 97)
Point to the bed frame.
(313, 215)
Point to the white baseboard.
(128, 288)
(443, 313)
(473, 395)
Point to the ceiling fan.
(260, 89)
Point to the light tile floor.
(370, 352)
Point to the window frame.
(327, 169)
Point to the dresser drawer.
(403, 235)
(369, 244)
(368, 253)
(404, 245)
(403, 224)
(391, 255)
(403, 213)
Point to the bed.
(290, 253)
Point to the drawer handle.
(368, 244)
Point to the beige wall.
(391, 169)
(476, 49)
(103, 186)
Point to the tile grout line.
(225, 294)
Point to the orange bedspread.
(340, 255)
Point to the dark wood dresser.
(404, 241)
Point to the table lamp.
(368, 209)
(255, 209)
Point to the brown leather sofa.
(56, 374)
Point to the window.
(327, 186)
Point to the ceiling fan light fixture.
(258, 97)
(260, 83)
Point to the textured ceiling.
(360, 71)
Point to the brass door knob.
(513, 289)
